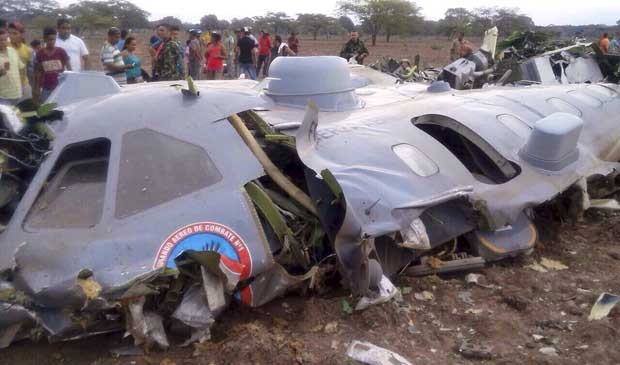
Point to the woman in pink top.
(216, 54)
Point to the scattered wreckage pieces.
(378, 208)
(405, 70)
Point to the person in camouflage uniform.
(354, 48)
(166, 64)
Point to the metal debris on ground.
(473, 279)
(517, 302)
(471, 350)
(604, 304)
(370, 354)
(465, 297)
(129, 350)
(549, 351)
(387, 291)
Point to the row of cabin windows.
(153, 169)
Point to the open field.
(435, 51)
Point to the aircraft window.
(564, 106)
(155, 168)
(73, 194)
(416, 160)
(479, 157)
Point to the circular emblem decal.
(207, 236)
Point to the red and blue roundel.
(207, 236)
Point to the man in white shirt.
(74, 46)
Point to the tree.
(236, 23)
(223, 24)
(346, 23)
(334, 27)
(457, 20)
(104, 14)
(313, 23)
(168, 20)
(42, 21)
(277, 23)
(400, 17)
(209, 22)
(507, 20)
(26, 10)
(378, 15)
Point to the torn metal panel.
(582, 70)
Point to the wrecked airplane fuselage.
(155, 206)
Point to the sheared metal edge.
(351, 247)
(145, 327)
(461, 192)
(133, 288)
(214, 289)
(7, 335)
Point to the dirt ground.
(516, 312)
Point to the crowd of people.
(608, 44)
(33, 70)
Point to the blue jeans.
(248, 69)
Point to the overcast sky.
(544, 12)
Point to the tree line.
(374, 18)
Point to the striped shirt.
(110, 55)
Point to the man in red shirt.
(264, 50)
(51, 61)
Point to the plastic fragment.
(370, 354)
(387, 292)
(424, 296)
(549, 351)
(604, 304)
(552, 264)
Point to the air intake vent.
(553, 142)
(326, 80)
